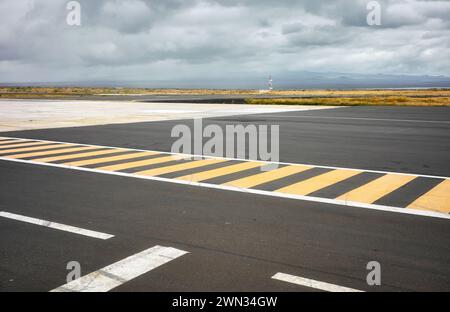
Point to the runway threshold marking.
(312, 283)
(56, 226)
(293, 181)
(122, 271)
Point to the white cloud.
(171, 39)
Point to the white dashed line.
(56, 226)
(312, 283)
(122, 271)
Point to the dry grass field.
(66, 91)
(358, 101)
(62, 91)
(404, 97)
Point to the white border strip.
(122, 271)
(312, 283)
(249, 191)
(56, 226)
(239, 159)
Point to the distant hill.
(281, 81)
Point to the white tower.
(270, 83)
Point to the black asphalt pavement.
(400, 139)
(236, 241)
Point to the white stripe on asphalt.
(122, 271)
(312, 283)
(56, 226)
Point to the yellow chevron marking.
(318, 182)
(376, 189)
(180, 167)
(437, 199)
(36, 148)
(140, 163)
(9, 142)
(206, 175)
(268, 176)
(108, 159)
(79, 155)
(61, 151)
(24, 144)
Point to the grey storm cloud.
(175, 39)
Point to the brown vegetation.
(415, 97)
(357, 101)
(77, 91)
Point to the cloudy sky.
(139, 40)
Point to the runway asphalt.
(236, 241)
(400, 139)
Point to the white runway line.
(122, 271)
(56, 226)
(312, 283)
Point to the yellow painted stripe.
(437, 199)
(180, 167)
(139, 163)
(24, 144)
(376, 189)
(318, 182)
(10, 142)
(201, 176)
(108, 159)
(60, 151)
(72, 156)
(268, 176)
(36, 148)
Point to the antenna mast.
(270, 83)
